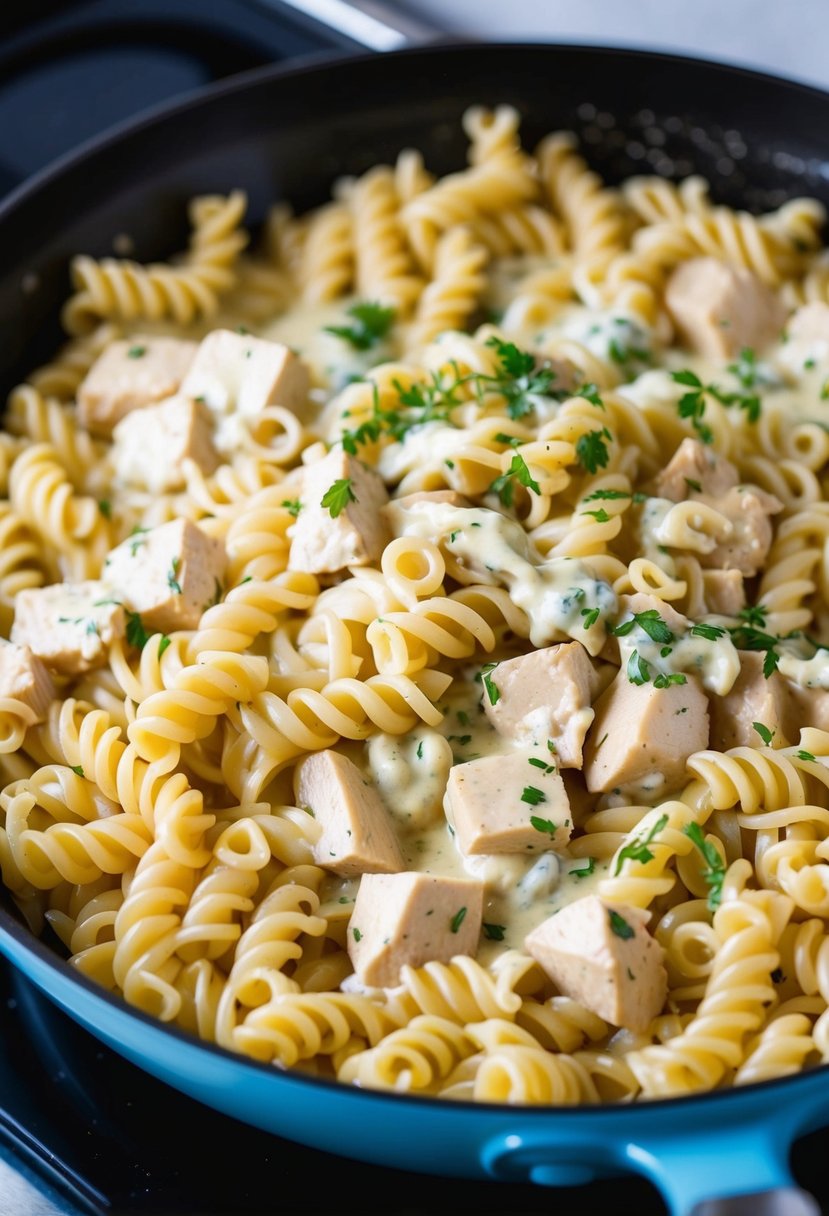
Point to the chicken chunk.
(152, 444)
(358, 836)
(169, 575)
(326, 539)
(24, 677)
(514, 803)
(719, 309)
(643, 735)
(695, 469)
(695, 472)
(69, 625)
(129, 375)
(602, 955)
(749, 511)
(753, 698)
(543, 696)
(238, 375)
(724, 592)
(411, 919)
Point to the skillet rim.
(119, 135)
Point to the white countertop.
(788, 37)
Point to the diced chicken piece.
(324, 542)
(358, 836)
(129, 375)
(23, 677)
(169, 575)
(452, 497)
(745, 549)
(152, 444)
(602, 955)
(238, 376)
(514, 803)
(810, 326)
(643, 735)
(724, 592)
(411, 919)
(69, 625)
(753, 698)
(543, 696)
(808, 707)
(719, 309)
(695, 469)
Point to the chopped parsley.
(638, 849)
(172, 576)
(601, 516)
(357, 935)
(77, 768)
(714, 873)
(591, 450)
(292, 505)
(746, 637)
(136, 633)
(711, 633)
(337, 497)
(585, 870)
(665, 681)
(520, 381)
(542, 764)
(606, 495)
(638, 669)
(163, 644)
(620, 926)
(136, 352)
(137, 540)
(504, 486)
(650, 622)
(763, 731)
(591, 615)
(457, 920)
(489, 684)
(543, 825)
(693, 485)
(419, 752)
(805, 756)
(754, 615)
(533, 796)
(494, 933)
(371, 323)
(105, 507)
(692, 404)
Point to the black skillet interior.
(289, 134)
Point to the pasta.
(414, 627)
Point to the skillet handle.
(785, 1201)
(373, 25)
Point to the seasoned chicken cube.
(152, 444)
(69, 625)
(411, 919)
(695, 469)
(358, 836)
(170, 575)
(129, 375)
(724, 592)
(602, 955)
(643, 735)
(23, 677)
(753, 698)
(514, 803)
(349, 531)
(237, 376)
(718, 310)
(543, 696)
(748, 509)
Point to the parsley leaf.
(638, 669)
(543, 825)
(489, 684)
(665, 681)
(504, 485)
(601, 516)
(710, 632)
(620, 926)
(714, 873)
(520, 380)
(136, 633)
(591, 450)
(591, 615)
(805, 756)
(763, 731)
(495, 933)
(172, 576)
(372, 322)
(638, 849)
(650, 622)
(337, 497)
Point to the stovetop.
(82, 1131)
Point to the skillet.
(287, 133)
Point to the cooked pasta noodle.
(434, 695)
